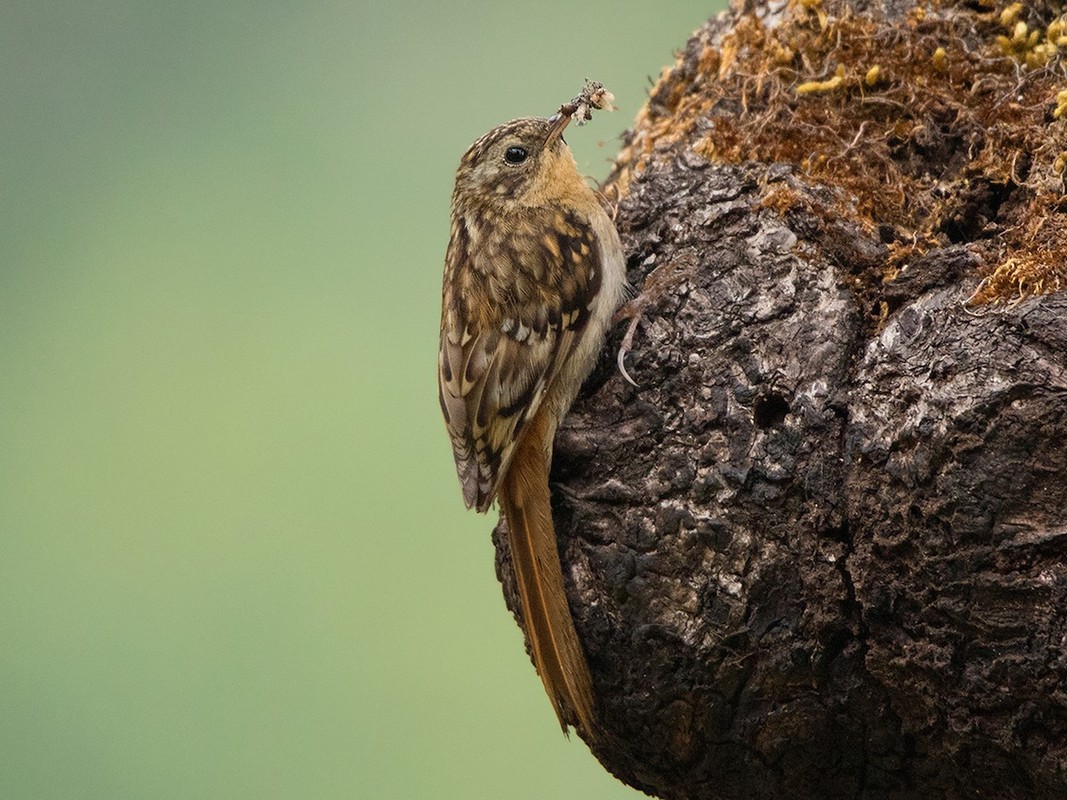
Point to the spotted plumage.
(514, 307)
(533, 273)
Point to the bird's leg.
(659, 280)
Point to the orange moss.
(942, 128)
(1041, 272)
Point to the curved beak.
(557, 123)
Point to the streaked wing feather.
(511, 317)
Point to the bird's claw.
(631, 310)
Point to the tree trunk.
(821, 550)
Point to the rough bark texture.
(817, 553)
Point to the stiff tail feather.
(557, 653)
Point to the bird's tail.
(557, 653)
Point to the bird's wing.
(513, 310)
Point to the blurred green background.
(234, 561)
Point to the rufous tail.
(557, 653)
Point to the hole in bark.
(770, 410)
(887, 234)
(973, 210)
(839, 533)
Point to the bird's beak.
(557, 122)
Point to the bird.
(534, 271)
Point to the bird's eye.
(515, 154)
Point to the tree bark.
(821, 550)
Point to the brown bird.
(533, 273)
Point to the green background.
(234, 561)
